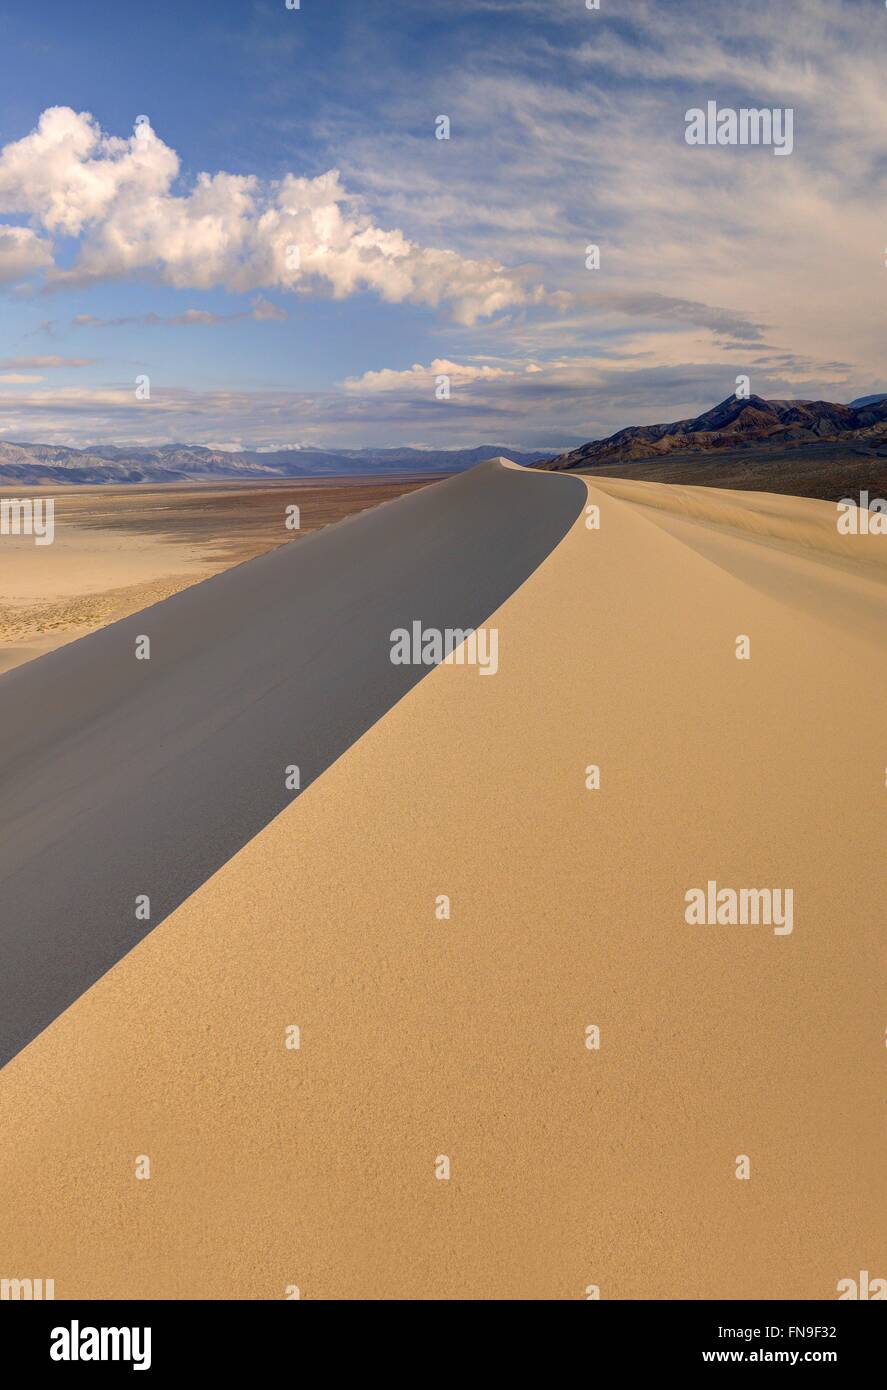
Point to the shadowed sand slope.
(118, 550)
(466, 1037)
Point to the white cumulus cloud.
(298, 234)
(21, 253)
(419, 377)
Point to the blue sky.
(421, 258)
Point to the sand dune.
(789, 548)
(801, 525)
(420, 1037)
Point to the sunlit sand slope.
(571, 1167)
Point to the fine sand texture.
(119, 549)
(571, 1168)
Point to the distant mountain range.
(733, 430)
(753, 424)
(35, 464)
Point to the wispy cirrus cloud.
(586, 137)
(51, 361)
(261, 311)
